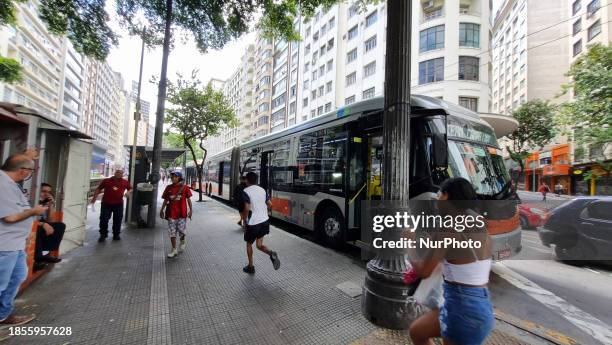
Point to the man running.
(176, 196)
(256, 226)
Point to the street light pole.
(386, 299)
(135, 141)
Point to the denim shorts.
(466, 318)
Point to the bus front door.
(374, 164)
(264, 171)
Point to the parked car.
(580, 229)
(531, 216)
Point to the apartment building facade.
(40, 54)
(529, 53)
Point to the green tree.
(590, 112)
(535, 130)
(197, 112)
(83, 22)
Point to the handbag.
(430, 291)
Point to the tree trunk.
(159, 123)
(385, 301)
(201, 167)
(198, 169)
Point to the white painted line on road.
(592, 270)
(581, 319)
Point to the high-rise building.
(238, 90)
(116, 151)
(530, 50)
(283, 106)
(143, 136)
(590, 23)
(260, 118)
(71, 89)
(40, 55)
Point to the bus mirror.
(440, 151)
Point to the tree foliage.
(590, 112)
(10, 70)
(196, 112)
(535, 130)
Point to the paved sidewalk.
(129, 292)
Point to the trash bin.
(145, 193)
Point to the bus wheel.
(330, 229)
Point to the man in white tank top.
(255, 221)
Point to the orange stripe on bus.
(496, 227)
(281, 206)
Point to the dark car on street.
(580, 229)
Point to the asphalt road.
(573, 299)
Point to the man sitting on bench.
(49, 234)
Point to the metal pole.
(135, 141)
(386, 299)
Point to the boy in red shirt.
(176, 196)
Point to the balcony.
(431, 15)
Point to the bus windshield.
(480, 164)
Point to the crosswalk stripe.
(581, 319)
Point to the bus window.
(282, 173)
(332, 162)
(309, 161)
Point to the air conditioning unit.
(428, 5)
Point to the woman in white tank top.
(466, 316)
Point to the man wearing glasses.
(16, 217)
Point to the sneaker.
(173, 253)
(101, 239)
(50, 258)
(14, 320)
(183, 245)
(116, 238)
(249, 269)
(275, 260)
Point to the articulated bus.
(318, 172)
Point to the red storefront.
(551, 167)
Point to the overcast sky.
(184, 58)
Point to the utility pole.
(137, 116)
(385, 299)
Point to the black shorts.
(256, 231)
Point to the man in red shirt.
(176, 196)
(112, 203)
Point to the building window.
(367, 94)
(431, 71)
(320, 93)
(353, 10)
(468, 68)
(469, 35)
(330, 44)
(351, 56)
(370, 43)
(307, 49)
(349, 100)
(469, 103)
(320, 110)
(305, 102)
(352, 33)
(594, 30)
(592, 7)
(369, 69)
(313, 94)
(371, 18)
(351, 79)
(576, 6)
(330, 65)
(432, 38)
(331, 23)
(577, 26)
(313, 113)
(328, 87)
(577, 47)
(328, 107)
